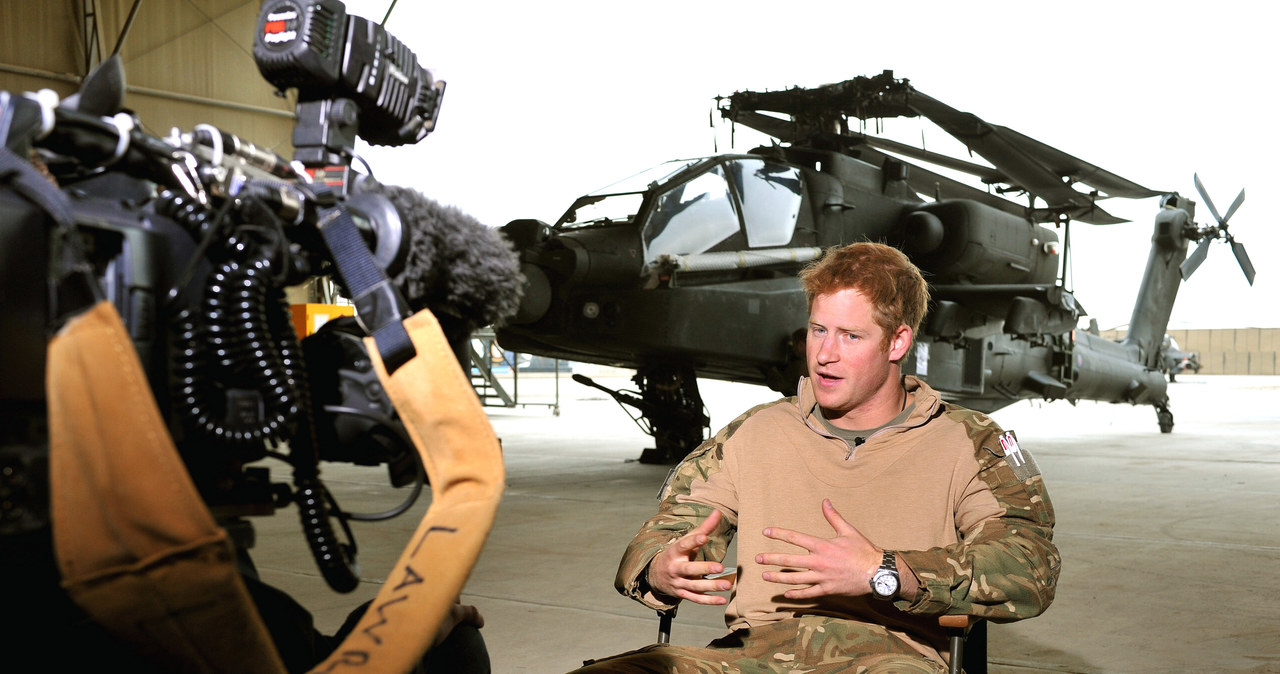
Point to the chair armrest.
(665, 616)
(957, 621)
(957, 627)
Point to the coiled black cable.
(251, 358)
(335, 559)
(240, 379)
(185, 211)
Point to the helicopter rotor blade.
(1204, 194)
(1193, 261)
(1243, 258)
(1234, 205)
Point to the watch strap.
(888, 566)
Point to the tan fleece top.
(940, 488)
(903, 491)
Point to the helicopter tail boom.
(1160, 281)
(1100, 369)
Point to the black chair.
(966, 636)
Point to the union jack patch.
(1019, 460)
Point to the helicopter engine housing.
(959, 241)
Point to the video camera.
(193, 238)
(352, 77)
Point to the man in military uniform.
(864, 507)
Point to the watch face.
(885, 584)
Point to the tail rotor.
(1208, 234)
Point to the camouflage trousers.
(805, 645)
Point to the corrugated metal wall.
(187, 62)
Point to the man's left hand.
(842, 565)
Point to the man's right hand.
(674, 573)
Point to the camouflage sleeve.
(697, 486)
(1005, 568)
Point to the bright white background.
(550, 100)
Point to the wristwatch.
(885, 581)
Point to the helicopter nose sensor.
(537, 295)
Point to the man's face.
(853, 375)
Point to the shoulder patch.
(1019, 459)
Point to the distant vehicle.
(1177, 361)
(689, 269)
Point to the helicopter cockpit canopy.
(619, 202)
(698, 205)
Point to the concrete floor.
(1170, 543)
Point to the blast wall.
(1228, 350)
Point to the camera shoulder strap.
(136, 546)
(379, 306)
(145, 559)
(464, 466)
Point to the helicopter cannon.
(688, 269)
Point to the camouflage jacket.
(953, 493)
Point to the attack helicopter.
(688, 269)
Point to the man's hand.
(458, 614)
(674, 573)
(842, 565)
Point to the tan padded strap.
(136, 546)
(463, 461)
(140, 553)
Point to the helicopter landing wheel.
(676, 414)
(1164, 417)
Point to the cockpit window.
(728, 204)
(770, 196)
(614, 209)
(619, 202)
(648, 178)
(698, 215)
(691, 217)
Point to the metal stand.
(485, 354)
